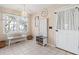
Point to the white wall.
(51, 22)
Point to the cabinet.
(41, 40)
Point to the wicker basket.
(29, 37)
(2, 44)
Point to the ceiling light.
(24, 13)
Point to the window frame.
(17, 19)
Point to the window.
(13, 23)
(23, 24)
(9, 22)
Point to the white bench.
(15, 38)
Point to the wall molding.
(51, 45)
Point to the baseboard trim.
(66, 51)
(51, 45)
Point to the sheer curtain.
(68, 19)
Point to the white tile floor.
(30, 48)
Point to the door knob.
(56, 30)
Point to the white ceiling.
(31, 8)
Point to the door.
(43, 27)
(67, 34)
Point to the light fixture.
(24, 11)
(44, 12)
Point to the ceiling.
(31, 8)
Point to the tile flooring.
(31, 48)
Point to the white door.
(43, 27)
(67, 35)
